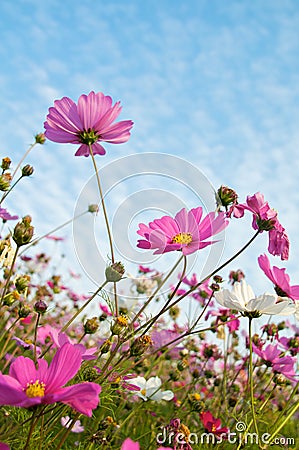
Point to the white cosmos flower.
(243, 299)
(149, 389)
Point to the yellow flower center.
(197, 396)
(185, 431)
(36, 389)
(122, 320)
(182, 238)
(213, 428)
(143, 392)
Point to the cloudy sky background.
(212, 87)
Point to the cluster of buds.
(140, 345)
(23, 232)
(114, 272)
(217, 280)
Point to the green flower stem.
(106, 221)
(35, 241)
(23, 157)
(9, 274)
(193, 288)
(287, 404)
(286, 418)
(35, 338)
(157, 290)
(251, 377)
(65, 327)
(34, 420)
(9, 190)
(67, 432)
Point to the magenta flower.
(4, 215)
(279, 278)
(211, 424)
(265, 219)
(272, 357)
(186, 232)
(26, 386)
(87, 123)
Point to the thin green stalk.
(34, 420)
(83, 307)
(251, 377)
(67, 432)
(23, 157)
(35, 338)
(35, 241)
(106, 221)
(281, 425)
(156, 291)
(10, 189)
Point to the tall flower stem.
(156, 291)
(34, 420)
(67, 432)
(106, 220)
(193, 288)
(251, 376)
(10, 189)
(83, 307)
(35, 338)
(24, 157)
(35, 241)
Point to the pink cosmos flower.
(128, 444)
(279, 278)
(87, 123)
(265, 219)
(26, 386)
(271, 356)
(211, 424)
(186, 232)
(4, 215)
(4, 446)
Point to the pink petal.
(83, 397)
(63, 367)
(23, 370)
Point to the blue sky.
(212, 82)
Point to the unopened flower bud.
(174, 375)
(218, 279)
(89, 373)
(106, 346)
(27, 170)
(91, 325)
(226, 196)
(22, 283)
(5, 180)
(23, 231)
(114, 272)
(174, 312)
(236, 276)
(280, 379)
(40, 307)
(93, 208)
(140, 345)
(6, 162)
(24, 310)
(10, 298)
(182, 365)
(40, 138)
(120, 323)
(215, 287)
